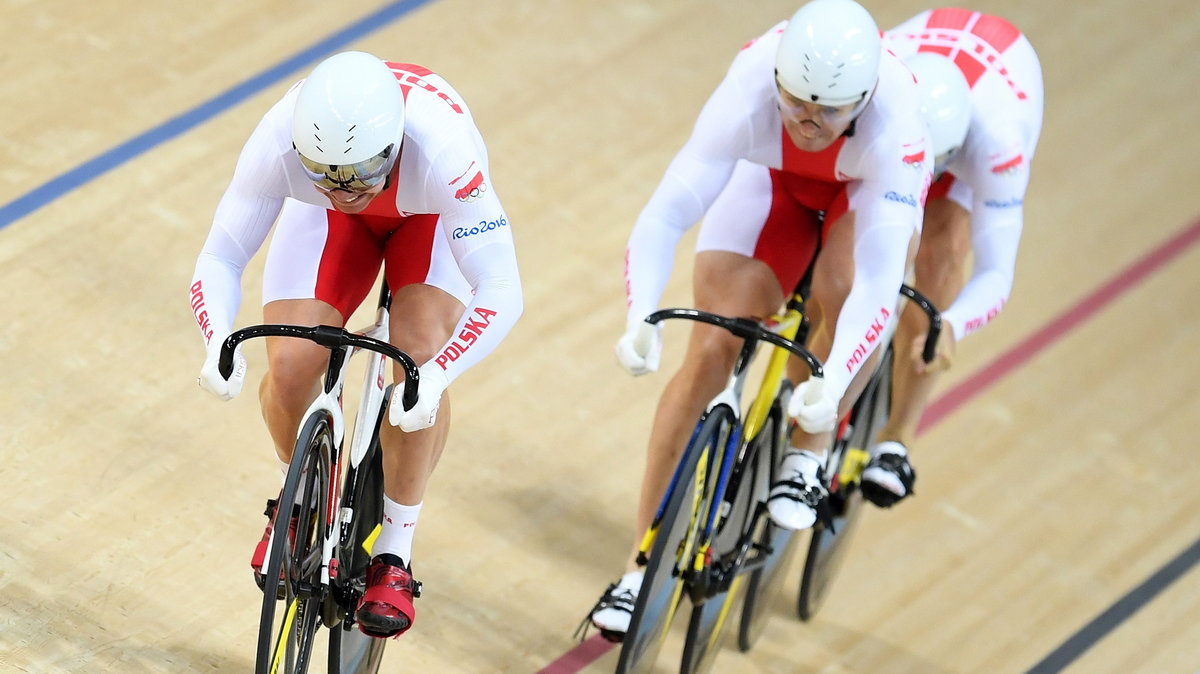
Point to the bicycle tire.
(355, 652)
(748, 488)
(777, 543)
(827, 548)
(285, 644)
(662, 583)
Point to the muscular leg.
(833, 276)
(724, 283)
(422, 318)
(940, 276)
(294, 369)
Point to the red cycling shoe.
(260, 551)
(386, 608)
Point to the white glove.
(813, 407)
(640, 348)
(211, 380)
(431, 384)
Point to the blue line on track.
(135, 147)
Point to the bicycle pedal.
(280, 587)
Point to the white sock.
(283, 471)
(820, 456)
(889, 447)
(396, 536)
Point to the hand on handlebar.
(813, 407)
(640, 348)
(431, 385)
(210, 378)
(943, 357)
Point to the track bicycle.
(708, 531)
(847, 459)
(320, 565)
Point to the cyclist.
(813, 137)
(981, 88)
(365, 164)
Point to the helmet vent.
(348, 109)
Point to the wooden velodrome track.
(1056, 516)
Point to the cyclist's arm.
(481, 241)
(243, 219)
(997, 217)
(879, 267)
(691, 183)
(494, 309)
(887, 205)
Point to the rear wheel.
(674, 543)
(825, 552)
(357, 653)
(290, 618)
(828, 546)
(776, 545)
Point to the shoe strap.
(897, 465)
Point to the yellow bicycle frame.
(788, 323)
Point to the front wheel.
(748, 488)
(674, 544)
(293, 564)
(849, 456)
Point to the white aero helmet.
(349, 122)
(829, 53)
(945, 102)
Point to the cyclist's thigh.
(729, 284)
(946, 234)
(325, 255)
(295, 362)
(429, 290)
(758, 217)
(833, 274)
(948, 215)
(422, 319)
(416, 252)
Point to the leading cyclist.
(365, 163)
